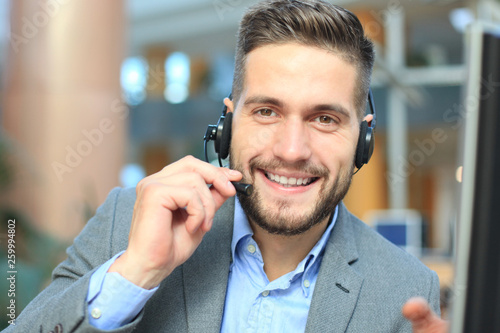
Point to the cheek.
(341, 143)
(340, 167)
(241, 151)
(252, 142)
(336, 154)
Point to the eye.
(325, 120)
(266, 112)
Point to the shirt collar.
(315, 255)
(241, 226)
(242, 229)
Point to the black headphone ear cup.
(361, 147)
(369, 144)
(225, 136)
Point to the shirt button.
(251, 248)
(265, 293)
(307, 284)
(95, 313)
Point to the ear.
(229, 104)
(368, 119)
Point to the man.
(176, 255)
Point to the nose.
(292, 141)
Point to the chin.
(283, 219)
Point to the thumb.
(422, 319)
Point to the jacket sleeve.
(62, 306)
(434, 298)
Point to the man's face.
(295, 132)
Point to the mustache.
(299, 166)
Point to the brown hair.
(309, 22)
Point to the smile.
(289, 181)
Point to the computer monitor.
(476, 301)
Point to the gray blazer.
(363, 282)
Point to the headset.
(221, 134)
(366, 139)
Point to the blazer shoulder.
(371, 244)
(374, 257)
(121, 216)
(360, 243)
(390, 275)
(124, 202)
(380, 260)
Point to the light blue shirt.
(114, 301)
(253, 304)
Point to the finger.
(417, 310)
(186, 164)
(219, 197)
(166, 229)
(188, 179)
(188, 202)
(158, 201)
(180, 173)
(220, 190)
(422, 318)
(210, 173)
(197, 183)
(219, 178)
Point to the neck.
(282, 254)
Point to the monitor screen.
(476, 302)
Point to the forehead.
(297, 73)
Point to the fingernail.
(234, 172)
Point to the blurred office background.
(97, 94)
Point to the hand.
(422, 319)
(173, 211)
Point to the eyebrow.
(333, 107)
(259, 99)
(263, 100)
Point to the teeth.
(287, 182)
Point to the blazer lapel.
(338, 284)
(205, 274)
